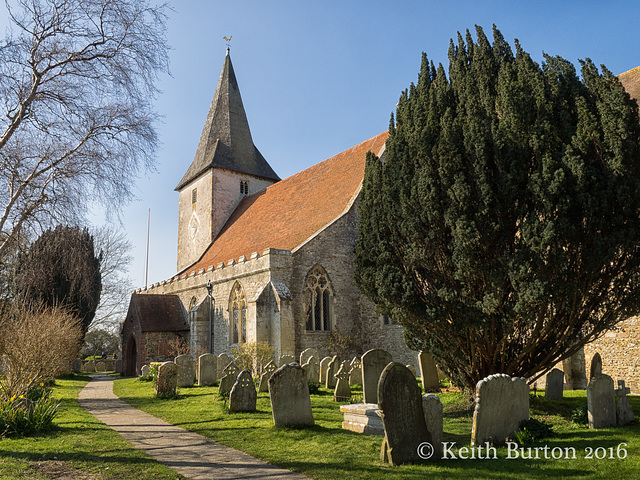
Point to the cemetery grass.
(326, 451)
(78, 447)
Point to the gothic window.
(318, 297)
(238, 314)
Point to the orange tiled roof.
(287, 213)
(631, 82)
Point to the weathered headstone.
(167, 379)
(268, 370)
(355, 374)
(400, 403)
(224, 359)
(342, 392)
(575, 371)
(76, 367)
(412, 369)
(373, 363)
(502, 402)
(324, 364)
(313, 369)
(332, 369)
(144, 371)
(554, 385)
(289, 394)
(207, 369)
(101, 367)
(596, 366)
(601, 402)
(230, 376)
(185, 370)
(428, 372)
(243, 396)
(432, 410)
(624, 412)
(307, 354)
(117, 366)
(286, 359)
(89, 366)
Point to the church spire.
(226, 139)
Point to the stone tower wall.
(218, 194)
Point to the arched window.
(317, 299)
(238, 315)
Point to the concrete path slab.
(189, 454)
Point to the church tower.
(227, 167)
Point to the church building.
(276, 256)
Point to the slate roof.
(226, 138)
(631, 82)
(287, 213)
(157, 313)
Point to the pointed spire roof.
(226, 139)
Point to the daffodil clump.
(28, 413)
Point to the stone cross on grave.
(622, 390)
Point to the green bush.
(23, 416)
(580, 415)
(313, 387)
(531, 430)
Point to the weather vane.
(228, 39)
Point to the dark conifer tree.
(61, 268)
(501, 228)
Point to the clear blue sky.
(319, 77)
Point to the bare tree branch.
(76, 82)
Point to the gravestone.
(286, 359)
(185, 370)
(332, 369)
(313, 369)
(243, 396)
(575, 371)
(601, 402)
(307, 354)
(502, 403)
(342, 392)
(596, 366)
(289, 395)
(90, 366)
(400, 403)
(355, 374)
(412, 369)
(167, 379)
(269, 368)
(373, 363)
(101, 367)
(224, 359)
(624, 412)
(207, 369)
(554, 384)
(144, 372)
(76, 367)
(433, 418)
(324, 364)
(362, 418)
(117, 366)
(230, 376)
(428, 372)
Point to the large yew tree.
(501, 228)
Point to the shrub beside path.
(189, 454)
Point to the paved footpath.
(189, 454)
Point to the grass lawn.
(79, 446)
(326, 451)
